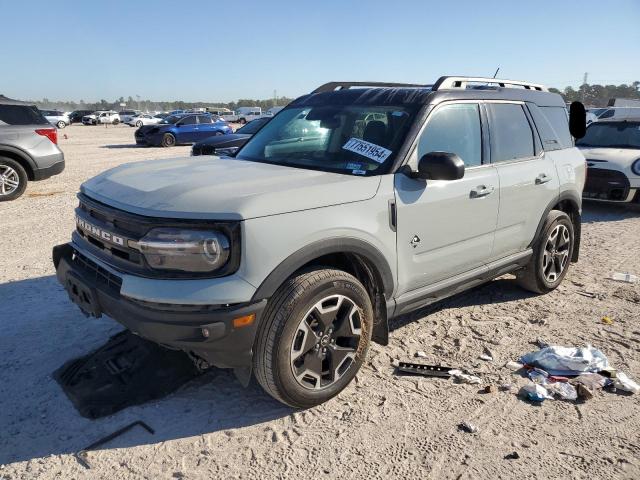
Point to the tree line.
(599, 95)
(591, 95)
(152, 106)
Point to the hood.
(221, 141)
(209, 187)
(622, 157)
(147, 128)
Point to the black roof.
(9, 101)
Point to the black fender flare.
(576, 201)
(319, 249)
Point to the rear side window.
(511, 134)
(188, 120)
(606, 114)
(454, 129)
(553, 126)
(21, 115)
(204, 119)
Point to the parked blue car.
(181, 129)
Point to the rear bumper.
(56, 168)
(97, 291)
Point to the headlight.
(185, 250)
(635, 167)
(230, 151)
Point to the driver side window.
(454, 129)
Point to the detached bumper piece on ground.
(126, 371)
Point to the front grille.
(606, 184)
(96, 272)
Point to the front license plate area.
(83, 295)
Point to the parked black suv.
(76, 115)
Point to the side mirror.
(577, 120)
(440, 166)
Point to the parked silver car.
(28, 148)
(350, 207)
(56, 118)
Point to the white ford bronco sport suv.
(354, 204)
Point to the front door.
(187, 130)
(445, 228)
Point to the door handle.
(542, 178)
(481, 191)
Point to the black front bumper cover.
(97, 291)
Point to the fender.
(20, 153)
(576, 201)
(325, 247)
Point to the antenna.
(495, 74)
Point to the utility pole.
(584, 82)
(275, 98)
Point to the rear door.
(206, 127)
(446, 227)
(528, 177)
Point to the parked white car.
(612, 151)
(143, 119)
(246, 114)
(614, 113)
(126, 115)
(272, 111)
(56, 118)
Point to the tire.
(168, 140)
(61, 124)
(10, 173)
(339, 346)
(138, 124)
(116, 121)
(552, 254)
(242, 121)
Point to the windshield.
(253, 126)
(171, 119)
(356, 139)
(612, 135)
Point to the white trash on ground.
(557, 360)
(624, 277)
(535, 392)
(464, 377)
(623, 382)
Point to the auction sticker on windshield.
(366, 149)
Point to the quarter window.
(511, 134)
(454, 129)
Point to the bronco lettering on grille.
(98, 232)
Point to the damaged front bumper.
(206, 331)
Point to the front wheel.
(61, 124)
(313, 338)
(139, 123)
(552, 254)
(168, 140)
(13, 179)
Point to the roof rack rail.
(331, 86)
(447, 83)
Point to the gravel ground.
(381, 426)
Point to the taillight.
(50, 133)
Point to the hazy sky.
(224, 50)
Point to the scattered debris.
(564, 390)
(43, 194)
(506, 387)
(607, 320)
(426, 370)
(486, 358)
(623, 382)
(490, 389)
(535, 392)
(468, 427)
(586, 294)
(624, 277)
(420, 354)
(557, 360)
(584, 392)
(541, 343)
(462, 377)
(593, 381)
(512, 456)
(514, 366)
(81, 456)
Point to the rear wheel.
(313, 338)
(13, 179)
(168, 140)
(551, 255)
(139, 123)
(61, 124)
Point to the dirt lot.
(382, 426)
